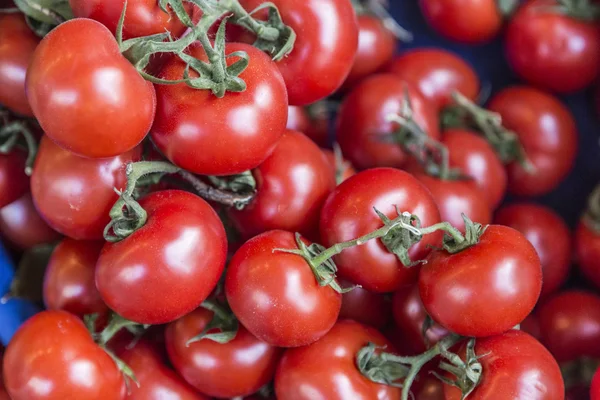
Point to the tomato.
(327, 369)
(547, 132)
(436, 73)
(348, 168)
(275, 294)
(595, 388)
(69, 281)
(314, 124)
(363, 125)
(75, 194)
(53, 357)
(514, 366)
(95, 106)
(13, 181)
(22, 226)
(292, 185)
(237, 368)
(169, 266)
(552, 50)
(221, 136)
(348, 214)
(548, 233)
(485, 289)
(570, 325)
(587, 252)
(531, 325)
(428, 387)
(368, 308)
(17, 43)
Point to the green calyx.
(467, 373)
(224, 321)
(378, 8)
(507, 7)
(43, 15)
(17, 132)
(582, 10)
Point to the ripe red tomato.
(75, 194)
(514, 366)
(348, 214)
(363, 125)
(169, 266)
(436, 73)
(587, 252)
(485, 289)
(552, 50)
(547, 132)
(275, 294)
(95, 106)
(13, 181)
(548, 233)
(326, 43)
(368, 308)
(53, 357)
(69, 281)
(22, 226)
(237, 368)
(428, 387)
(595, 388)
(221, 136)
(327, 369)
(348, 170)
(17, 43)
(315, 125)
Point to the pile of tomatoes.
(194, 229)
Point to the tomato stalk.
(10, 133)
(223, 319)
(43, 15)
(583, 10)
(378, 8)
(507, 7)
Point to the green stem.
(244, 18)
(116, 324)
(446, 227)
(12, 131)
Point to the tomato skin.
(548, 233)
(516, 367)
(348, 214)
(13, 181)
(238, 368)
(258, 283)
(367, 308)
(17, 44)
(587, 252)
(169, 266)
(547, 132)
(348, 171)
(436, 73)
(100, 94)
(595, 387)
(326, 369)
(499, 279)
(316, 127)
(53, 357)
(550, 50)
(203, 134)
(75, 194)
(362, 121)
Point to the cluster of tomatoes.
(166, 164)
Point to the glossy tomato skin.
(75, 194)
(238, 368)
(587, 252)
(348, 170)
(362, 123)
(17, 44)
(315, 126)
(13, 181)
(368, 308)
(169, 266)
(515, 366)
(348, 214)
(259, 283)
(548, 233)
(499, 279)
(595, 387)
(327, 369)
(547, 132)
(95, 106)
(550, 50)
(221, 136)
(53, 357)
(69, 281)
(436, 73)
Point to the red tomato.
(327, 369)
(53, 357)
(22, 226)
(428, 387)
(570, 325)
(514, 366)
(169, 266)
(326, 43)
(313, 125)
(436, 73)
(13, 181)
(362, 122)
(548, 233)
(587, 252)
(552, 50)
(348, 214)
(95, 106)
(69, 281)
(368, 308)
(17, 43)
(237, 368)
(275, 294)
(547, 132)
(595, 388)
(531, 325)
(292, 185)
(348, 170)
(485, 289)
(75, 194)
(221, 136)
